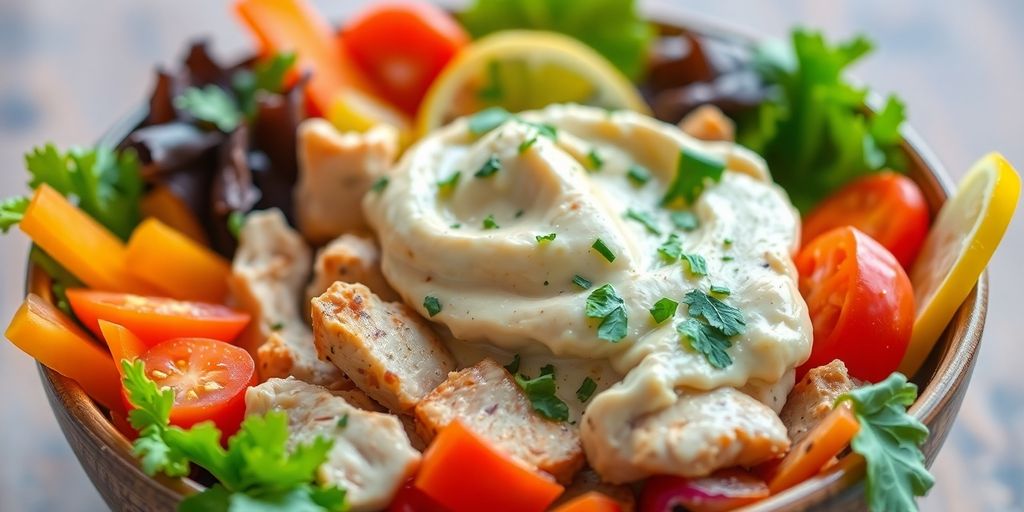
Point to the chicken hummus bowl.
(505, 262)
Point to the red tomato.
(208, 377)
(403, 46)
(411, 499)
(888, 207)
(155, 319)
(861, 303)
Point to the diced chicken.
(388, 350)
(708, 122)
(488, 401)
(588, 480)
(371, 456)
(335, 171)
(699, 433)
(813, 397)
(774, 394)
(268, 273)
(350, 259)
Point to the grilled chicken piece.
(708, 122)
(350, 259)
(371, 456)
(268, 273)
(588, 480)
(488, 401)
(699, 433)
(335, 171)
(813, 397)
(388, 350)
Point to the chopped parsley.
(697, 265)
(550, 237)
(890, 441)
(211, 104)
(513, 367)
(727, 241)
(236, 221)
(638, 174)
(685, 220)
(594, 160)
(541, 394)
(379, 185)
(605, 303)
(457, 225)
(446, 186)
(720, 290)
(671, 249)
(343, 421)
(600, 247)
(525, 145)
(644, 218)
(432, 305)
(718, 314)
(487, 120)
(692, 172)
(664, 309)
(727, 258)
(581, 281)
(519, 213)
(586, 390)
(548, 369)
(491, 166)
(706, 340)
(490, 223)
(277, 326)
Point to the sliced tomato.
(403, 46)
(887, 206)
(208, 377)
(860, 301)
(155, 319)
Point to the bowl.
(107, 457)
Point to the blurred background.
(71, 68)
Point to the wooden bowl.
(106, 455)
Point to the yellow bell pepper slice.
(173, 262)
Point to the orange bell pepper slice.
(176, 264)
(592, 501)
(167, 207)
(122, 344)
(822, 444)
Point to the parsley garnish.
(671, 249)
(594, 160)
(638, 174)
(605, 303)
(446, 186)
(581, 281)
(277, 326)
(664, 309)
(513, 367)
(11, 212)
(550, 237)
(707, 340)
(890, 441)
(379, 185)
(720, 290)
(697, 265)
(343, 421)
(212, 105)
(548, 369)
(717, 313)
(490, 223)
(685, 220)
(644, 218)
(267, 75)
(432, 305)
(693, 170)
(586, 390)
(525, 145)
(236, 221)
(600, 247)
(541, 393)
(487, 120)
(491, 166)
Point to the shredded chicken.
(701, 432)
(488, 401)
(335, 171)
(350, 259)
(388, 350)
(268, 273)
(813, 398)
(708, 122)
(371, 456)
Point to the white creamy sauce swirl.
(500, 286)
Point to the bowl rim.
(954, 365)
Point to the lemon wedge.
(523, 70)
(958, 247)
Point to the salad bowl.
(106, 455)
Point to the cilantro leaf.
(602, 248)
(664, 309)
(692, 173)
(671, 249)
(612, 27)
(638, 174)
(684, 220)
(432, 305)
(586, 390)
(490, 223)
(526, 144)
(11, 211)
(706, 340)
(889, 439)
(487, 120)
(696, 264)
(644, 218)
(718, 314)
(541, 393)
(594, 160)
(605, 303)
(380, 184)
(447, 185)
(550, 237)
(212, 105)
(150, 418)
(236, 221)
(614, 326)
(815, 133)
(581, 281)
(491, 166)
(267, 75)
(719, 290)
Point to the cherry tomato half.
(403, 46)
(155, 319)
(860, 300)
(208, 377)
(887, 206)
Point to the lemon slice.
(523, 70)
(957, 249)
